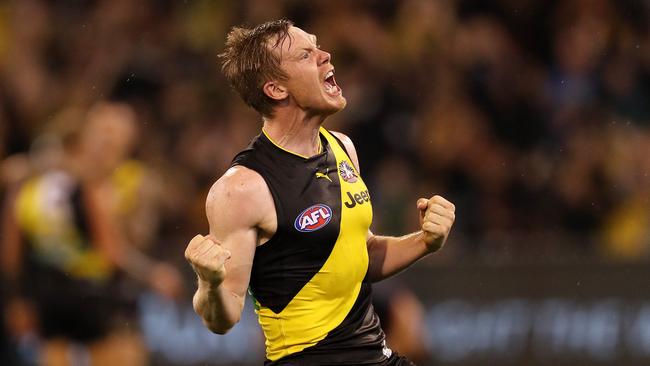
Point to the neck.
(295, 131)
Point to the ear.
(275, 91)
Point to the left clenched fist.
(437, 216)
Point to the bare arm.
(109, 238)
(14, 171)
(11, 242)
(19, 312)
(390, 255)
(236, 206)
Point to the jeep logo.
(357, 198)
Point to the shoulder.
(239, 185)
(349, 146)
(344, 138)
(240, 195)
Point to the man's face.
(108, 137)
(311, 80)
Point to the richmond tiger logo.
(347, 172)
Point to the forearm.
(135, 263)
(390, 255)
(11, 242)
(219, 308)
(109, 238)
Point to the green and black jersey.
(309, 280)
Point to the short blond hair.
(248, 61)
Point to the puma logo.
(321, 175)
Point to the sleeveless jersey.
(52, 218)
(70, 281)
(309, 283)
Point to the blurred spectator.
(62, 243)
(499, 103)
(402, 317)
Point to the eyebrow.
(310, 48)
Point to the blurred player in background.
(64, 242)
(290, 219)
(402, 318)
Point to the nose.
(325, 57)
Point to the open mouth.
(331, 87)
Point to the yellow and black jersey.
(53, 219)
(309, 280)
(70, 281)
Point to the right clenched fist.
(207, 258)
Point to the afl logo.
(313, 218)
(347, 172)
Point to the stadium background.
(532, 116)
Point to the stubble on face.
(306, 67)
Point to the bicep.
(233, 220)
(241, 243)
(369, 237)
(107, 237)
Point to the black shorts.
(394, 360)
(70, 308)
(397, 360)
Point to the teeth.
(329, 74)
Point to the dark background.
(532, 116)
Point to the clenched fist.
(207, 258)
(437, 216)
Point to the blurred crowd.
(533, 116)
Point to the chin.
(337, 105)
(344, 102)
